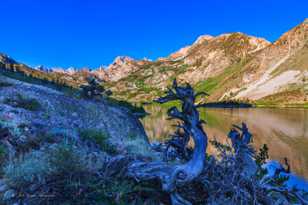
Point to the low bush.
(5, 84)
(69, 173)
(98, 137)
(3, 156)
(94, 89)
(20, 101)
(64, 173)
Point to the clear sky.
(93, 32)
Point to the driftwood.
(173, 176)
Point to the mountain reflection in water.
(285, 131)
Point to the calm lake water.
(285, 131)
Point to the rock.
(3, 186)
(9, 194)
(293, 181)
(23, 139)
(157, 146)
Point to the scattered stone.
(9, 194)
(3, 186)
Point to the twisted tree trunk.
(172, 176)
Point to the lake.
(285, 131)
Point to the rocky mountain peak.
(121, 67)
(180, 53)
(233, 42)
(121, 60)
(244, 38)
(43, 68)
(6, 59)
(101, 73)
(259, 42)
(203, 38)
(71, 70)
(58, 70)
(294, 38)
(101, 68)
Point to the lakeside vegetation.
(286, 99)
(228, 104)
(236, 104)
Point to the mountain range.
(232, 66)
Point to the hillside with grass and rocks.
(45, 132)
(28, 108)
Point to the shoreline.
(237, 106)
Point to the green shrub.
(22, 171)
(2, 152)
(68, 173)
(64, 159)
(139, 83)
(138, 146)
(94, 89)
(262, 156)
(115, 192)
(3, 156)
(65, 169)
(23, 102)
(100, 138)
(5, 84)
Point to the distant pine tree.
(94, 89)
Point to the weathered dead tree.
(176, 147)
(174, 176)
(244, 153)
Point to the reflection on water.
(285, 131)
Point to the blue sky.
(90, 33)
